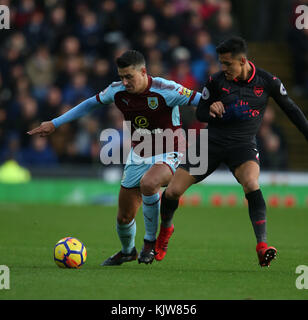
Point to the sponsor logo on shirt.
(283, 90)
(185, 92)
(205, 93)
(141, 122)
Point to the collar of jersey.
(253, 73)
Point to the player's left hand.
(217, 109)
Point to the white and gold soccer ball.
(70, 252)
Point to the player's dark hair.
(234, 45)
(130, 58)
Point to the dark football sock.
(257, 214)
(167, 209)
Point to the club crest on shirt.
(258, 91)
(153, 102)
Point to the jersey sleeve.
(175, 94)
(185, 96)
(208, 96)
(290, 108)
(107, 96)
(77, 112)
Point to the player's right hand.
(46, 128)
(217, 109)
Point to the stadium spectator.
(181, 71)
(209, 8)
(203, 56)
(89, 31)
(58, 28)
(101, 74)
(10, 148)
(40, 69)
(38, 153)
(134, 11)
(24, 12)
(86, 144)
(77, 89)
(225, 27)
(36, 30)
(52, 103)
(63, 141)
(169, 20)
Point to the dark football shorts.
(232, 156)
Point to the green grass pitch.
(211, 255)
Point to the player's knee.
(250, 185)
(125, 216)
(149, 186)
(173, 193)
(124, 219)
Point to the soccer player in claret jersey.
(233, 103)
(150, 104)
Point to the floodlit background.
(58, 53)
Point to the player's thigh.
(129, 203)
(157, 176)
(201, 170)
(179, 183)
(247, 174)
(243, 161)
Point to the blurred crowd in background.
(59, 53)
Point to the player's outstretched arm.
(80, 110)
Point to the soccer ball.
(69, 252)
